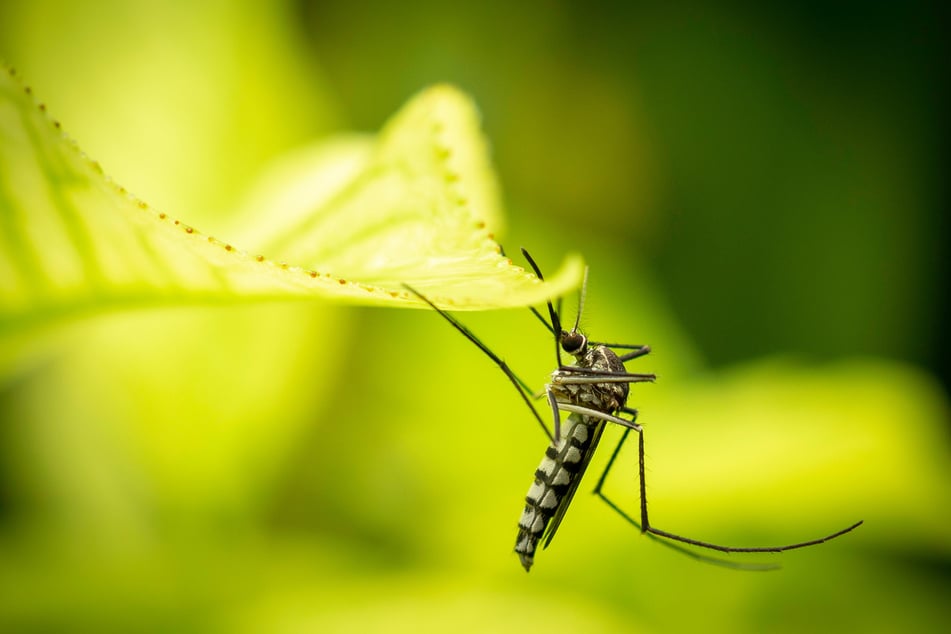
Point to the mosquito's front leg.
(523, 390)
(636, 349)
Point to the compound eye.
(573, 342)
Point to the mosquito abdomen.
(556, 476)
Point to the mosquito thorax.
(574, 343)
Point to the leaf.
(418, 204)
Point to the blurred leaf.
(416, 205)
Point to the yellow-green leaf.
(351, 220)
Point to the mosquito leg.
(637, 349)
(646, 527)
(640, 351)
(643, 483)
(556, 414)
(571, 375)
(599, 491)
(734, 565)
(541, 319)
(604, 475)
(520, 385)
(535, 312)
(553, 314)
(593, 413)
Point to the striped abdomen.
(556, 480)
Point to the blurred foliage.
(757, 193)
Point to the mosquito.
(593, 392)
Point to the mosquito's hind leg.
(645, 527)
(723, 549)
(598, 490)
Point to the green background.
(759, 194)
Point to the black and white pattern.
(556, 478)
(566, 459)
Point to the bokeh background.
(760, 193)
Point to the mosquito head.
(574, 343)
